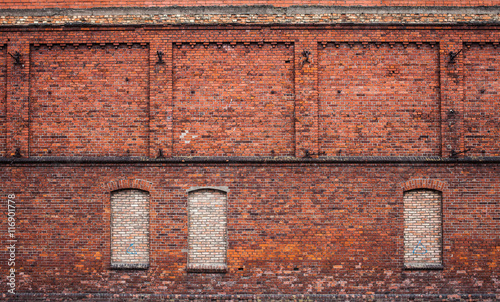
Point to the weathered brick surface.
(207, 231)
(129, 228)
(16, 4)
(482, 73)
(3, 103)
(379, 99)
(170, 19)
(333, 226)
(233, 99)
(422, 229)
(291, 228)
(89, 100)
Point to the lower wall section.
(309, 229)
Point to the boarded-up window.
(207, 240)
(130, 229)
(422, 229)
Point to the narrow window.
(207, 240)
(130, 229)
(422, 229)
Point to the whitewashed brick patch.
(207, 238)
(422, 229)
(130, 229)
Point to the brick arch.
(220, 189)
(421, 183)
(128, 184)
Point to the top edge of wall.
(250, 10)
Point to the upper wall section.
(291, 93)
(233, 99)
(89, 100)
(379, 99)
(280, 3)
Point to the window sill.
(207, 268)
(138, 266)
(423, 267)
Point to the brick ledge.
(207, 268)
(129, 265)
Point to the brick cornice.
(251, 15)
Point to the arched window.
(422, 229)
(130, 229)
(207, 239)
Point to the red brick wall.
(3, 95)
(379, 99)
(301, 227)
(89, 100)
(481, 105)
(283, 3)
(340, 225)
(233, 99)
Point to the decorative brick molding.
(422, 229)
(421, 183)
(128, 184)
(130, 229)
(207, 239)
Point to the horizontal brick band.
(318, 297)
(251, 160)
(258, 15)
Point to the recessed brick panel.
(89, 102)
(207, 237)
(422, 229)
(130, 229)
(482, 102)
(233, 100)
(379, 100)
